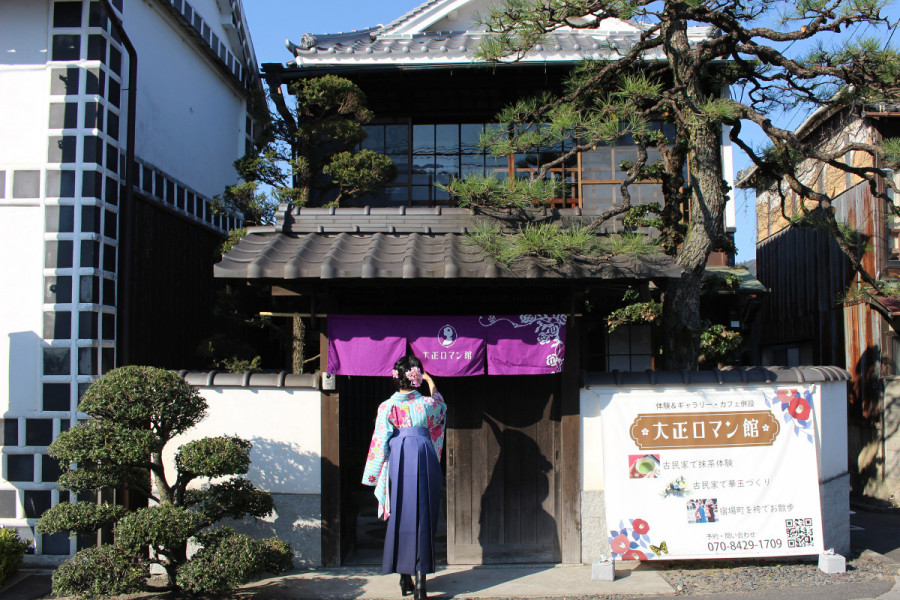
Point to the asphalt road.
(876, 530)
(871, 528)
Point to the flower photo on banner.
(796, 408)
(633, 543)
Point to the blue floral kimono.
(404, 466)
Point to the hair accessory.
(395, 374)
(414, 376)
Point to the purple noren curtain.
(449, 346)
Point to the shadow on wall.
(868, 430)
(523, 523)
(296, 521)
(25, 354)
(282, 467)
(292, 476)
(24, 364)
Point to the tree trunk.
(297, 357)
(163, 491)
(681, 304)
(681, 321)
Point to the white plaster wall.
(728, 176)
(284, 426)
(21, 296)
(23, 32)
(209, 10)
(23, 110)
(591, 441)
(190, 119)
(831, 427)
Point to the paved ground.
(877, 531)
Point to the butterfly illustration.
(661, 549)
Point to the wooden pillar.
(331, 467)
(570, 448)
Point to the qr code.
(799, 532)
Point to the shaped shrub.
(12, 548)
(136, 411)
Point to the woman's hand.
(427, 379)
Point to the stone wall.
(879, 446)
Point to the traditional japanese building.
(812, 315)
(513, 458)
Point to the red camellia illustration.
(799, 408)
(784, 396)
(619, 544)
(634, 555)
(640, 526)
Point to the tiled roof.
(408, 16)
(414, 219)
(459, 47)
(410, 256)
(258, 379)
(406, 243)
(749, 284)
(730, 376)
(423, 36)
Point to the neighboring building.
(97, 274)
(403, 251)
(811, 317)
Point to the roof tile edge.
(259, 380)
(720, 377)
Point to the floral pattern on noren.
(399, 411)
(632, 541)
(796, 408)
(547, 330)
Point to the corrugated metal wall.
(809, 277)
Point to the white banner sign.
(711, 474)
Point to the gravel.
(706, 577)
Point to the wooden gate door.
(502, 479)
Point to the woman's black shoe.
(421, 593)
(406, 585)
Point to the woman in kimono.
(404, 466)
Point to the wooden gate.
(503, 485)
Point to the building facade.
(513, 458)
(104, 264)
(813, 314)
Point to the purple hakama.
(415, 502)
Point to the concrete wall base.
(835, 498)
(297, 520)
(594, 535)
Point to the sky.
(273, 21)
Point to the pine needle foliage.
(669, 77)
(315, 129)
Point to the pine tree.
(667, 77)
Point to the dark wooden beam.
(331, 467)
(570, 449)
